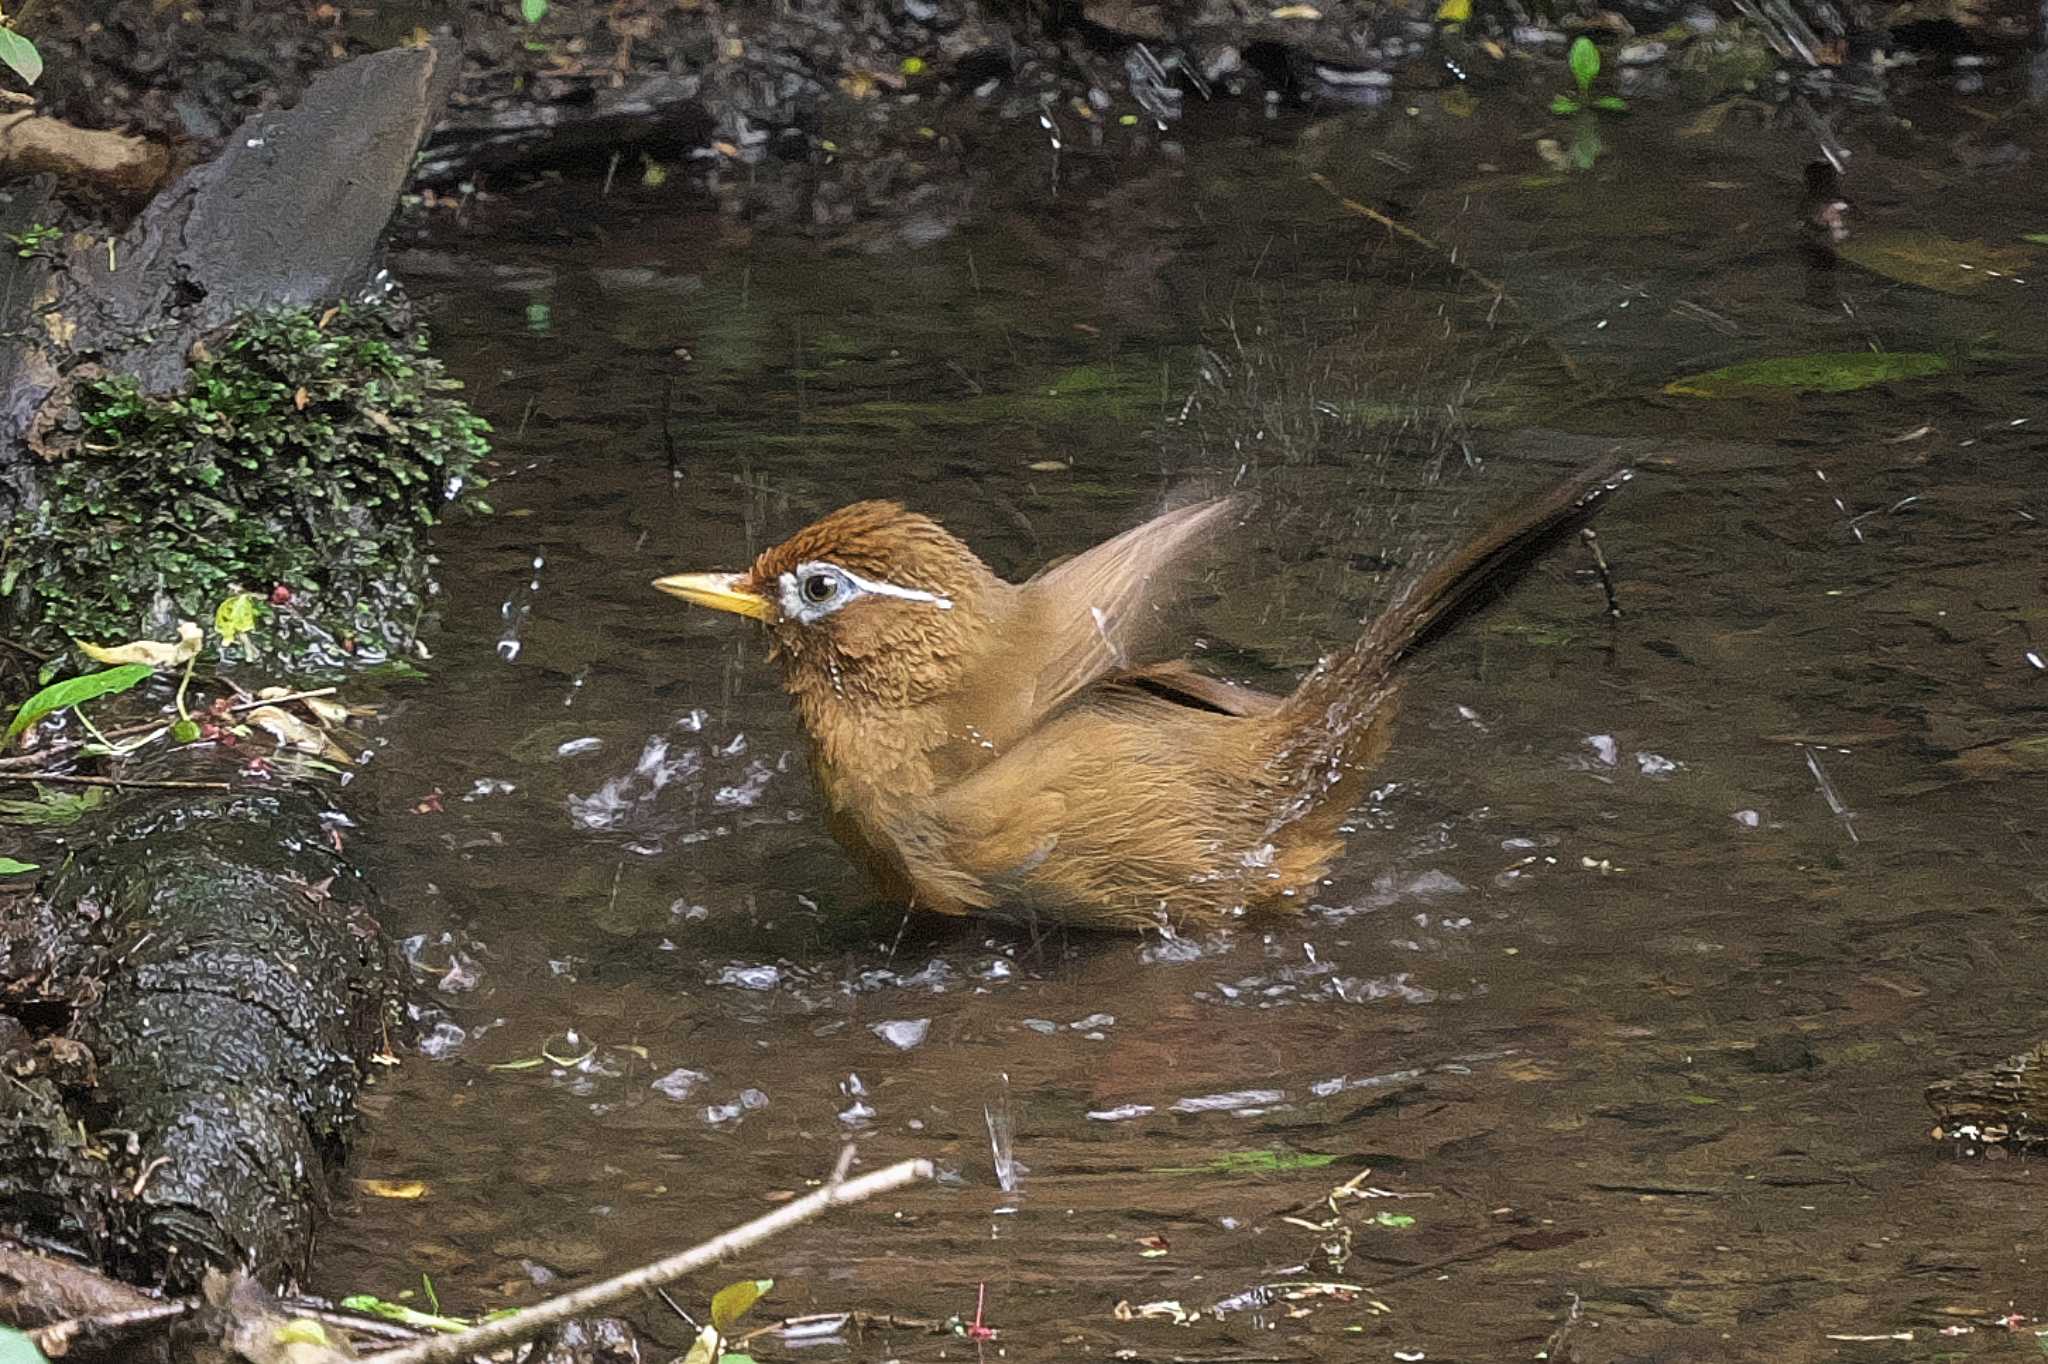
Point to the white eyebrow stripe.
(876, 586)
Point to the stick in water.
(599, 1296)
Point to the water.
(1645, 947)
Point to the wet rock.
(1785, 1054)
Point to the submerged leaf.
(1252, 1162)
(52, 806)
(1932, 261)
(74, 691)
(1826, 372)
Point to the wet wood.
(2002, 1105)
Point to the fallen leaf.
(393, 1188)
(292, 732)
(1300, 12)
(381, 420)
(150, 652)
(300, 398)
(1930, 261)
(1826, 372)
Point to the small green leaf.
(17, 1348)
(53, 807)
(10, 867)
(2037, 238)
(731, 1302)
(1252, 1163)
(729, 1357)
(185, 732)
(235, 617)
(74, 691)
(533, 11)
(1584, 59)
(1611, 103)
(1563, 104)
(1400, 1221)
(1828, 372)
(21, 57)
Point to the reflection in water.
(1789, 806)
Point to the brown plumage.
(1014, 748)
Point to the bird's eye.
(818, 588)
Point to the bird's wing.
(1103, 611)
(1114, 811)
(1178, 681)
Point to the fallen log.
(202, 989)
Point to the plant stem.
(598, 1296)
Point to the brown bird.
(986, 746)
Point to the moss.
(311, 451)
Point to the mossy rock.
(311, 452)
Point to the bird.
(1031, 751)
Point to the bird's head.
(872, 607)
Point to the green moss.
(308, 456)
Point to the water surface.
(1624, 1006)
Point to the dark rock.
(1783, 1054)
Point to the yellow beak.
(719, 591)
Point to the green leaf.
(74, 691)
(1400, 1221)
(1584, 59)
(731, 1302)
(17, 1348)
(370, 1305)
(1612, 103)
(533, 11)
(53, 807)
(185, 732)
(1563, 104)
(21, 57)
(1252, 1163)
(2037, 238)
(731, 1358)
(1827, 372)
(235, 617)
(10, 867)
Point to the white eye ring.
(840, 586)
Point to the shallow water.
(1607, 990)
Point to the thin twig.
(1592, 544)
(55, 1340)
(69, 779)
(1493, 286)
(526, 1324)
(37, 654)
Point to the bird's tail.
(1335, 721)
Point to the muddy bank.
(830, 111)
